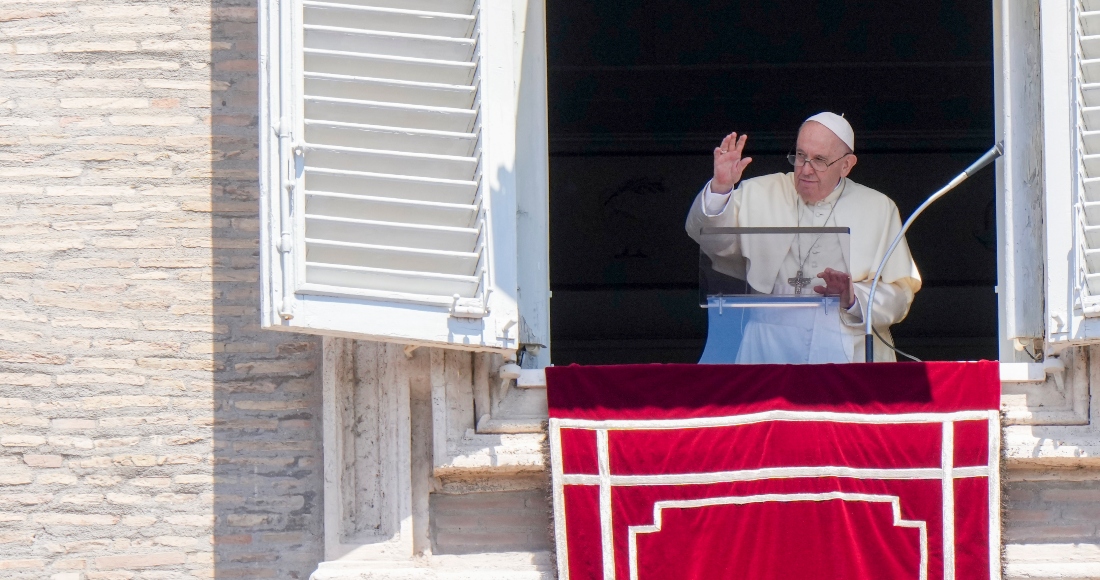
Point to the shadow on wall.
(267, 387)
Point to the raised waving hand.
(728, 163)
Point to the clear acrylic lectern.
(765, 296)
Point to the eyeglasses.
(818, 164)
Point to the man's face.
(816, 141)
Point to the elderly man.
(817, 193)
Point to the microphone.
(869, 339)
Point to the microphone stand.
(869, 339)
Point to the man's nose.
(806, 169)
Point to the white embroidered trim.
(606, 531)
(947, 461)
(894, 501)
(557, 471)
(770, 473)
(797, 416)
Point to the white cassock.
(772, 201)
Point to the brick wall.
(148, 428)
(1052, 507)
(501, 521)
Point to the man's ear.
(847, 164)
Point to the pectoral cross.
(799, 282)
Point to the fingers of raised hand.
(740, 144)
(733, 144)
(727, 142)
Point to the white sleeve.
(892, 301)
(714, 203)
(710, 210)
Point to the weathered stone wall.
(1052, 507)
(148, 428)
(498, 521)
(1052, 523)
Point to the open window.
(391, 174)
(642, 92)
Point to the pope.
(817, 193)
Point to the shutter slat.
(390, 44)
(448, 6)
(389, 67)
(390, 162)
(1092, 281)
(1090, 70)
(390, 209)
(1090, 140)
(395, 186)
(390, 138)
(1092, 237)
(1092, 211)
(1092, 263)
(1090, 118)
(1091, 188)
(390, 114)
(390, 258)
(390, 280)
(391, 234)
(1090, 95)
(1091, 165)
(1090, 46)
(389, 90)
(389, 19)
(1090, 23)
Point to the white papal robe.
(772, 201)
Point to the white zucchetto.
(839, 126)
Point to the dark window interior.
(640, 94)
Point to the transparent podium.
(767, 298)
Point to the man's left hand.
(837, 283)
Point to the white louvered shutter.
(1087, 116)
(388, 163)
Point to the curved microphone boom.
(868, 339)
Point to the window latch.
(469, 307)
